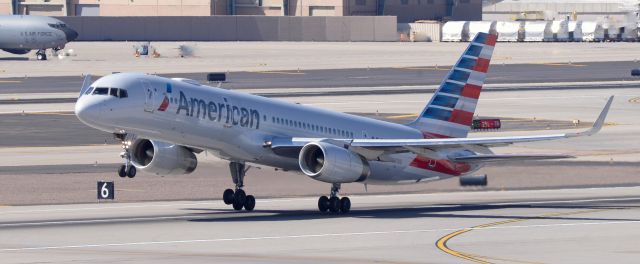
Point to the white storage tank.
(509, 30)
(481, 26)
(592, 31)
(455, 31)
(575, 30)
(559, 30)
(537, 30)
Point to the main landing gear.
(41, 54)
(238, 198)
(127, 169)
(333, 203)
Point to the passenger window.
(101, 90)
(123, 93)
(113, 92)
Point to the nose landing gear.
(41, 54)
(127, 169)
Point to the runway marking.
(442, 242)
(281, 72)
(426, 68)
(51, 113)
(9, 81)
(391, 232)
(564, 64)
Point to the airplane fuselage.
(20, 34)
(237, 126)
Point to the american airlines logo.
(216, 111)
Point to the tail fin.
(450, 111)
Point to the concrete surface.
(100, 58)
(383, 80)
(595, 225)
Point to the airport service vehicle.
(19, 34)
(163, 122)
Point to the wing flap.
(484, 158)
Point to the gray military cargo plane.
(19, 34)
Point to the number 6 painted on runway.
(104, 192)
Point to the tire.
(239, 196)
(39, 56)
(227, 196)
(122, 171)
(334, 204)
(250, 203)
(237, 206)
(131, 172)
(323, 204)
(345, 205)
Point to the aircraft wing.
(373, 148)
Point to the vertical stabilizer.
(449, 114)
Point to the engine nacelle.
(326, 162)
(161, 158)
(17, 51)
(471, 180)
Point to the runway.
(582, 210)
(269, 81)
(547, 226)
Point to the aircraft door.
(150, 95)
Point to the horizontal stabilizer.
(508, 157)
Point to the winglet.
(596, 125)
(85, 84)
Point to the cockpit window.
(101, 90)
(57, 25)
(113, 92)
(89, 90)
(123, 93)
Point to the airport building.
(405, 10)
(510, 10)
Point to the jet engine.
(327, 162)
(17, 51)
(161, 158)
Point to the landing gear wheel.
(237, 206)
(122, 171)
(41, 56)
(239, 196)
(250, 203)
(227, 196)
(131, 172)
(334, 204)
(345, 205)
(323, 204)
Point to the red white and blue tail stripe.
(449, 114)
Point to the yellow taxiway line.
(401, 116)
(9, 81)
(442, 242)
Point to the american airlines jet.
(162, 122)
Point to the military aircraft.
(162, 122)
(19, 34)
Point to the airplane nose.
(86, 110)
(70, 34)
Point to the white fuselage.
(238, 126)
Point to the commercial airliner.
(162, 122)
(19, 34)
